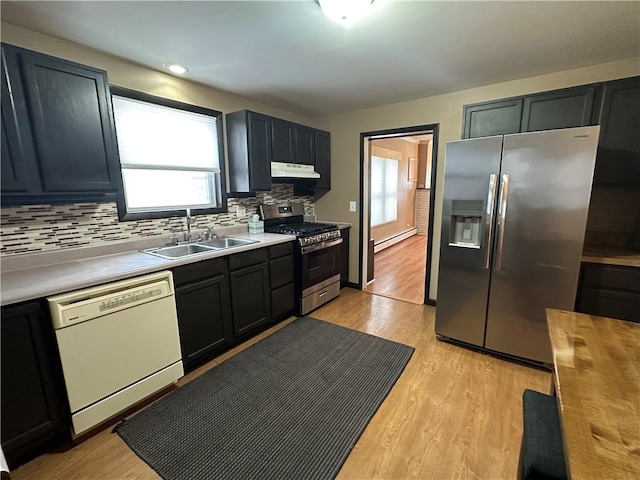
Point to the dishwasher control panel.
(82, 305)
(131, 297)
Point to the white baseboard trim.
(378, 247)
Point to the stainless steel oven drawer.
(320, 297)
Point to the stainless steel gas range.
(317, 253)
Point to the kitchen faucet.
(188, 234)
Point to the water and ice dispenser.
(466, 223)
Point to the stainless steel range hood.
(292, 170)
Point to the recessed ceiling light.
(175, 68)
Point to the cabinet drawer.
(198, 271)
(610, 277)
(281, 271)
(246, 259)
(609, 303)
(281, 250)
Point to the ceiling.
(288, 55)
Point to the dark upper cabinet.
(13, 169)
(492, 118)
(255, 140)
(283, 141)
(64, 129)
(566, 108)
(305, 145)
(249, 151)
(618, 159)
(33, 404)
(323, 159)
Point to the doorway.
(397, 196)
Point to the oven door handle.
(320, 246)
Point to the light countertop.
(30, 276)
(596, 363)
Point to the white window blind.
(384, 190)
(169, 157)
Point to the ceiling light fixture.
(175, 68)
(345, 12)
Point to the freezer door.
(546, 186)
(471, 173)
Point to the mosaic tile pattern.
(37, 228)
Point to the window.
(384, 190)
(171, 156)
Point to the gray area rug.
(292, 406)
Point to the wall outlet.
(352, 206)
(241, 211)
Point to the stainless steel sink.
(205, 246)
(226, 242)
(177, 251)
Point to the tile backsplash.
(37, 228)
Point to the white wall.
(445, 110)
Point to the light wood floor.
(400, 270)
(454, 413)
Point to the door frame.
(365, 216)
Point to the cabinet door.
(250, 302)
(283, 147)
(204, 319)
(492, 118)
(618, 159)
(32, 395)
(571, 107)
(13, 168)
(72, 124)
(305, 151)
(259, 151)
(618, 304)
(323, 159)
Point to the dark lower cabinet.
(250, 298)
(204, 319)
(609, 291)
(34, 410)
(204, 310)
(281, 277)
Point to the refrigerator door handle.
(502, 215)
(491, 198)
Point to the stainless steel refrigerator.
(513, 223)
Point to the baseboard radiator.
(388, 242)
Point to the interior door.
(471, 172)
(546, 185)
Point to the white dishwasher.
(118, 343)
